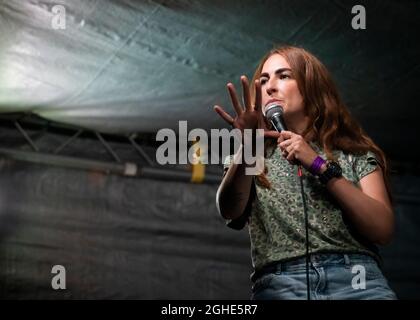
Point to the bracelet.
(316, 165)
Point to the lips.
(273, 101)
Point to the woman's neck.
(297, 124)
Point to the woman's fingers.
(290, 148)
(286, 134)
(287, 150)
(272, 134)
(246, 117)
(246, 93)
(285, 143)
(246, 96)
(291, 156)
(258, 96)
(224, 114)
(234, 97)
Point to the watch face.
(335, 169)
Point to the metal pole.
(125, 169)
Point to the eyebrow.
(265, 74)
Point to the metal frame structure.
(145, 168)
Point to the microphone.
(274, 114)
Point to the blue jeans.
(331, 276)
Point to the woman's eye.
(284, 76)
(263, 81)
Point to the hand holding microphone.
(274, 115)
(293, 146)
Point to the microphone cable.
(274, 114)
(305, 209)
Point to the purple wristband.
(316, 165)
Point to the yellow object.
(198, 169)
(198, 172)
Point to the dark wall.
(134, 238)
(402, 256)
(117, 237)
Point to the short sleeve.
(364, 165)
(227, 162)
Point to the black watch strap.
(333, 171)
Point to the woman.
(345, 188)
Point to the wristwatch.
(333, 171)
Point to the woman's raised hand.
(248, 116)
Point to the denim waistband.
(316, 259)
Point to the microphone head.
(274, 110)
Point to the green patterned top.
(276, 221)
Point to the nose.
(271, 87)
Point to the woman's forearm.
(234, 191)
(372, 218)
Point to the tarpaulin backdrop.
(139, 66)
(121, 237)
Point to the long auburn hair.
(331, 124)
